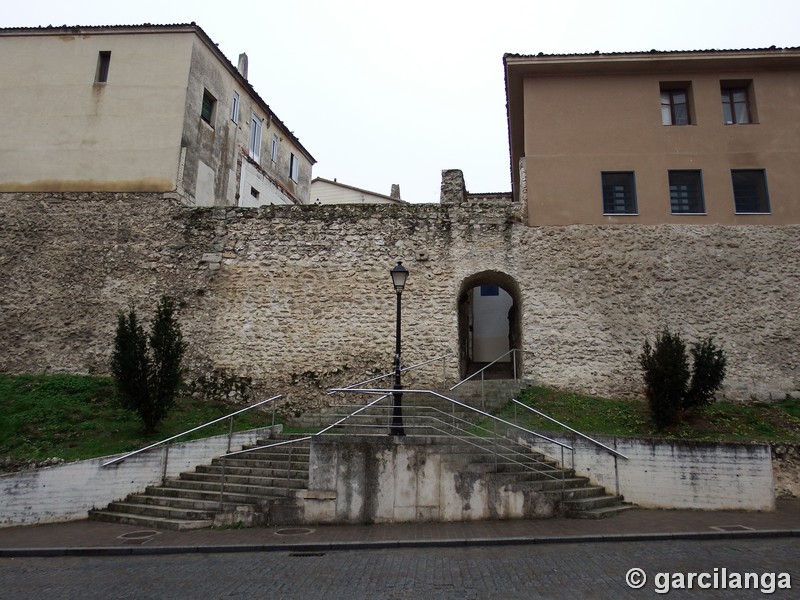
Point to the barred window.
(686, 192)
(619, 193)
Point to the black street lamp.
(399, 275)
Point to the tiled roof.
(597, 53)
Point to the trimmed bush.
(147, 379)
(668, 385)
(666, 375)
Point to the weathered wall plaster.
(363, 479)
(67, 492)
(675, 474)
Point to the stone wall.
(300, 298)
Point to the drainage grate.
(294, 531)
(732, 528)
(306, 554)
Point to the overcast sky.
(384, 93)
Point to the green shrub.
(708, 372)
(666, 375)
(147, 379)
(669, 386)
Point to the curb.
(388, 545)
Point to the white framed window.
(274, 155)
(255, 138)
(235, 108)
(294, 167)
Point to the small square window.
(675, 101)
(686, 192)
(103, 64)
(208, 108)
(750, 191)
(294, 167)
(738, 107)
(254, 192)
(235, 108)
(619, 193)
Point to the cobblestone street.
(573, 570)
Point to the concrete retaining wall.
(67, 492)
(675, 474)
(366, 479)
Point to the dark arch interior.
(466, 322)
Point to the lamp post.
(399, 275)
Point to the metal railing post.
(164, 466)
(222, 483)
(230, 435)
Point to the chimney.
(395, 193)
(242, 66)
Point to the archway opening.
(489, 325)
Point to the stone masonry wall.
(299, 298)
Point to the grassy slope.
(779, 421)
(76, 416)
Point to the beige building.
(325, 191)
(656, 137)
(145, 108)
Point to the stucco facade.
(141, 109)
(582, 126)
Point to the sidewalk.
(79, 538)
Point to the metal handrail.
(475, 425)
(481, 370)
(188, 431)
(575, 431)
(294, 441)
(392, 373)
(456, 402)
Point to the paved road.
(580, 570)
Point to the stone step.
(166, 512)
(234, 478)
(260, 468)
(600, 513)
(148, 522)
(154, 498)
(210, 485)
(229, 497)
(591, 503)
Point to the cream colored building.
(325, 191)
(656, 137)
(146, 108)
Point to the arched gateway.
(489, 324)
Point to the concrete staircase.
(528, 471)
(260, 488)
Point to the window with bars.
(750, 191)
(737, 105)
(686, 192)
(675, 103)
(619, 193)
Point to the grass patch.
(79, 416)
(720, 422)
